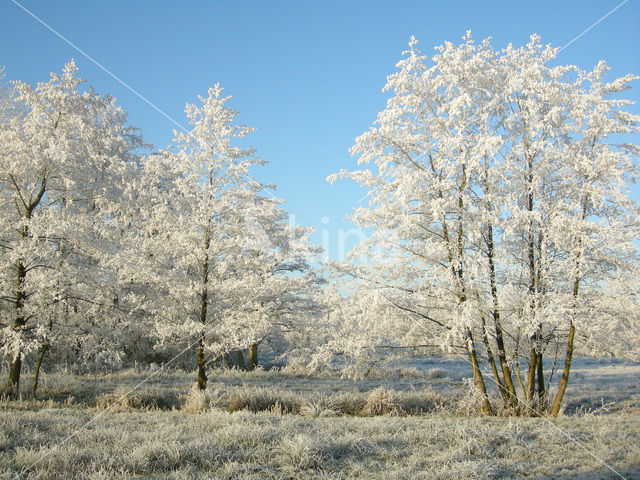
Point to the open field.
(415, 422)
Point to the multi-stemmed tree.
(499, 208)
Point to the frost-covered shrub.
(143, 398)
(298, 453)
(348, 403)
(419, 402)
(470, 402)
(318, 409)
(196, 401)
(382, 401)
(263, 399)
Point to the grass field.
(410, 423)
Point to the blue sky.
(306, 74)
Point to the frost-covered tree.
(9, 106)
(498, 205)
(191, 226)
(221, 264)
(279, 286)
(65, 160)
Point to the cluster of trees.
(103, 244)
(501, 226)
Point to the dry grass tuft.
(382, 401)
(123, 399)
(196, 401)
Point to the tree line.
(500, 217)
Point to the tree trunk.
(531, 375)
(555, 409)
(13, 384)
(492, 362)
(240, 360)
(533, 358)
(564, 380)
(36, 375)
(502, 356)
(477, 376)
(202, 374)
(44, 348)
(253, 356)
(540, 380)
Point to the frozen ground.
(285, 425)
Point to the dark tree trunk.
(540, 380)
(36, 375)
(502, 356)
(202, 374)
(240, 360)
(531, 375)
(13, 384)
(492, 362)
(253, 356)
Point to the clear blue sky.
(306, 74)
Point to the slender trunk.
(564, 380)
(15, 367)
(517, 360)
(519, 378)
(253, 356)
(531, 375)
(477, 375)
(13, 386)
(531, 255)
(462, 297)
(492, 362)
(36, 375)
(456, 265)
(540, 378)
(43, 349)
(202, 376)
(502, 355)
(240, 360)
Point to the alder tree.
(502, 224)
